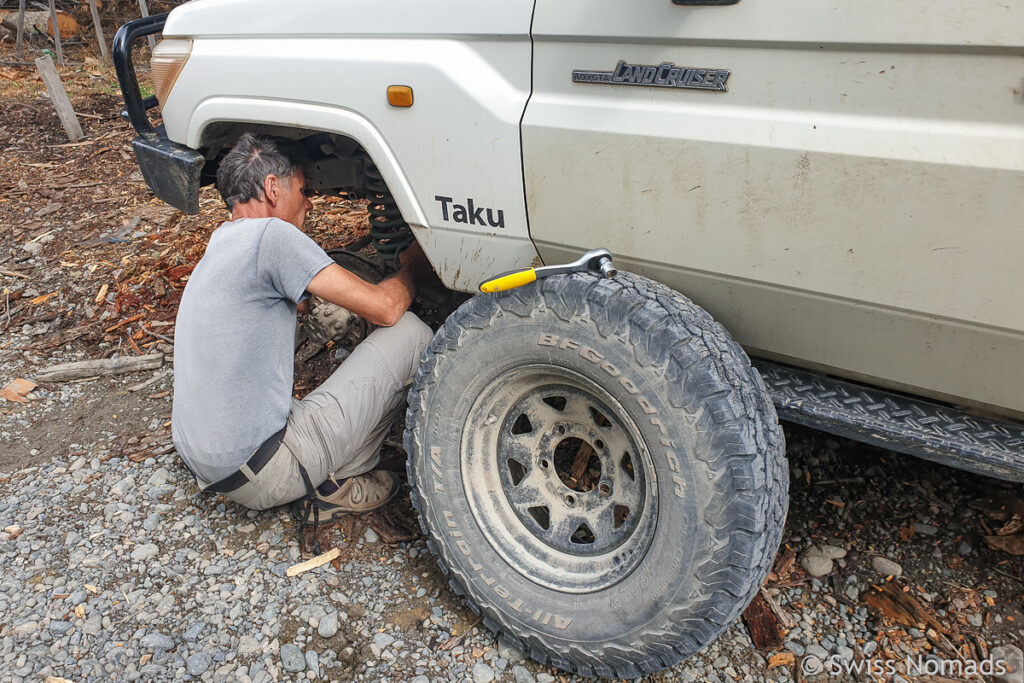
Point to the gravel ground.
(116, 567)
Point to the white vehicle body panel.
(326, 66)
(853, 203)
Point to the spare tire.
(599, 469)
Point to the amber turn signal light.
(399, 96)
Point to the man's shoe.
(359, 494)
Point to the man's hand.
(414, 259)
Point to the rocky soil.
(115, 567)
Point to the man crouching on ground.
(235, 423)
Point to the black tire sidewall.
(655, 592)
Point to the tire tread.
(667, 331)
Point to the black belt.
(256, 462)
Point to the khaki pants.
(339, 427)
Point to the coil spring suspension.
(388, 231)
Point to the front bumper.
(171, 170)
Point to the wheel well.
(333, 163)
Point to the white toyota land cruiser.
(599, 466)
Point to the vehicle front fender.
(315, 117)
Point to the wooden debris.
(144, 8)
(133, 344)
(17, 389)
(785, 561)
(786, 619)
(154, 334)
(20, 27)
(125, 322)
(42, 298)
(55, 32)
(148, 451)
(1000, 506)
(308, 350)
(59, 97)
(391, 526)
(313, 563)
(149, 382)
(11, 273)
(99, 30)
(120, 235)
(65, 372)
(1012, 526)
(452, 642)
(62, 338)
(762, 624)
(982, 647)
(1008, 544)
(899, 607)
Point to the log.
(59, 97)
(40, 21)
(66, 372)
(99, 30)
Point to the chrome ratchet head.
(601, 261)
(594, 261)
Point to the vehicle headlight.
(169, 58)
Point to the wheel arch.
(247, 112)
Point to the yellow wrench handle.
(509, 280)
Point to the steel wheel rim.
(596, 529)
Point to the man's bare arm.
(381, 304)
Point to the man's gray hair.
(242, 171)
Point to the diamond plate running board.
(907, 425)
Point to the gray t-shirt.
(234, 342)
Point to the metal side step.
(928, 430)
